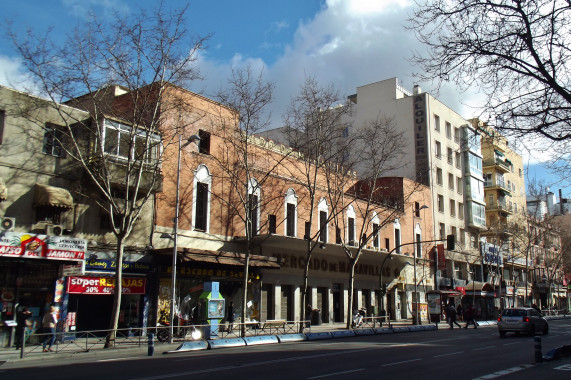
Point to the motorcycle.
(183, 324)
(358, 318)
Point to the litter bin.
(315, 317)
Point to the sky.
(348, 43)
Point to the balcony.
(499, 164)
(498, 185)
(501, 207)
(151, 180)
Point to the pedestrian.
(452, 316)
(23, 321)
(308, 310)
(230, 316)
(459, 313)
(470, 317)
(49, 327)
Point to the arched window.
(254, 206)
(290, 210)
(323, 209)
(351, 225)
(417, 239)
(396, 226)
(201, 199)
(376, 225)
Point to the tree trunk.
(110, 341)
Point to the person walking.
(470, 317)
(452, 316)
(23, 321)
(459, 312)
(49, 326)
(230, 316)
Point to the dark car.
(522, 320)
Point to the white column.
(277, 302)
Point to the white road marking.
(396, 363)
(504, 372)
(337, 373)
(483, 348)
(451, 353)
(117, 359)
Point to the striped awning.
(3, 191)
(46, 195)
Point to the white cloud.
(81, 8)
(12, 75)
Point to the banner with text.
(104, 285)
(32, 246)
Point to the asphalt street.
(458, 354)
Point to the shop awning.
(479, 286)
(52, 196)
(3, 190)
(222, 257)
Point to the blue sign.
(101, 265)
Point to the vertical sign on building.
(421, 139)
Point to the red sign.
(104, 285)
(32, 246)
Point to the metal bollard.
(151, 345)
(538, 355)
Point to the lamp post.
(193, 138)
(416, 320)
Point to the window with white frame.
(452, 207)
(438, 149)
(442, 231)
(457, 134)
(376, 236)
(201, 201)
(290, 213)
(439, 176)
(460, 210)
(459, 187)
(458, 159)
(448, 130)
(323, 209)
(52, 143)
(396, 226)
(450, 156)
(451, 181)
(254, 206)
(440, 203)
(351, 225)
(129, 143)
(437, 123)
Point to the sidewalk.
(10, 357)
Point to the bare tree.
(120, 73)
(373, 200)
(515, 51)
(247, 165)
(315, 127)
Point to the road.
(456, 354)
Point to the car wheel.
(502, 333)
(546, 329)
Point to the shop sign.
(110, 266)
(104, 285)
(17, 244)
(491, 255)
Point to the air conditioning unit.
(8, 224)
(54, 229)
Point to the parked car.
(522, 320)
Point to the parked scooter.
(358, 318)
(183, 327)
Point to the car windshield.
(514, 313)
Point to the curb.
(263, 339)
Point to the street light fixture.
(414, 250)
(195, 139)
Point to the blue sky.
(346, 42)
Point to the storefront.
(89, 295)
(30, 274)
(194, 268)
